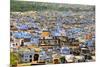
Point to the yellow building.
(45, 33)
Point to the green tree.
(14, 59)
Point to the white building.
(27, 54)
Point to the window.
(25, 59)
(85, 51)
(30, 60)
(30, 56)
(36, 56)
(26, 56)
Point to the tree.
(14, 59)
(63, 60)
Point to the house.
(14, 47)
(45, 33)
(63, 40)
(29, 54)
(73, 43)
(26, 55)
(65, 50)
(49, 43)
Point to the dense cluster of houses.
(53, 37)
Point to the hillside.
(22, 6)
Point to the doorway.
(36, 57)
